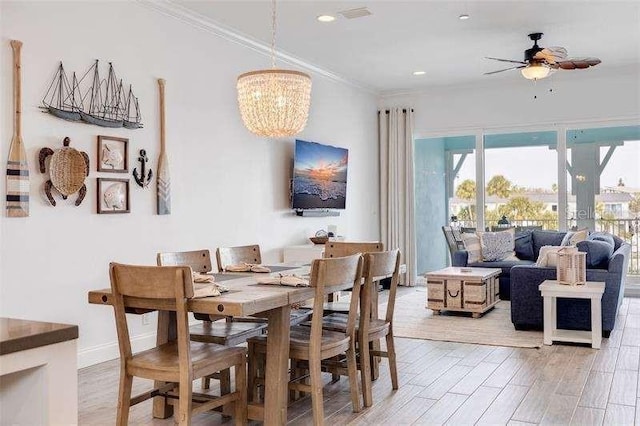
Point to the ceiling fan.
(539, 62)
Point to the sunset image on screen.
(319, 176)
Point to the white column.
(479, 180)
(563, 205)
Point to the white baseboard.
(109, 351)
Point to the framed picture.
(113, 196)
(113, 154)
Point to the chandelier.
(274, 102)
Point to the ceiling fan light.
(535, 71)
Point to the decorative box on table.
(572, 266)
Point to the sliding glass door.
(521, 180)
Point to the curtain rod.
(404, 111)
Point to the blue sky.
(536, 167)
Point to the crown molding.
(209, 25)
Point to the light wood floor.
(454, 383)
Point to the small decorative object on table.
(321, 237)
(572, 269)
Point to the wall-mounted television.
(319, 176)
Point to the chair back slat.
(339, 271)
(234, 255)
(348, 248)
(199, 260)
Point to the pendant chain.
(273, 34)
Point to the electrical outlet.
(146, 320)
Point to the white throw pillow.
(497, 245)
(472, 246)
(548, 256)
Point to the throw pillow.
(472, 246)
(497, 245)
(524, 246)
(603, 236)
(574, 237)
(598, 253)
(548, 257)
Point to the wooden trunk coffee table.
(459, 289)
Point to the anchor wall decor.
(143, 179)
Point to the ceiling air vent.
(355, 13)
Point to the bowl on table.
(319, 240)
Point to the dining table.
(246, 297)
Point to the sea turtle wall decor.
(68, 169)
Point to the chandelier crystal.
(274, 102)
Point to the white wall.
(228, 186)
(576, 96)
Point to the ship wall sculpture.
(101, 102)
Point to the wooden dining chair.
(370, 328)
(341, 249)
(313, 344)
(235, 255)
(177, 363)
(230, 332)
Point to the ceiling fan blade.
(506, 69)
(578, 63)
(552, 54)
(506, 60)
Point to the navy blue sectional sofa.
(607, 261)
(608, 266)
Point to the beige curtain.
(397, 207)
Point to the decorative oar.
(17, 165)
(164, 180)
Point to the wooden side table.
(551, 290)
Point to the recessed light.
(463, 17)
(419, 72)
(326, 18)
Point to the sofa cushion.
(598, 253)
(505, 265)
(545, 238)
(497, 245)
(524, 246)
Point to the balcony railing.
(626, 229)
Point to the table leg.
(166, 331)
(548, 326)
(554, 314)
(275, 399)
(596, 323)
